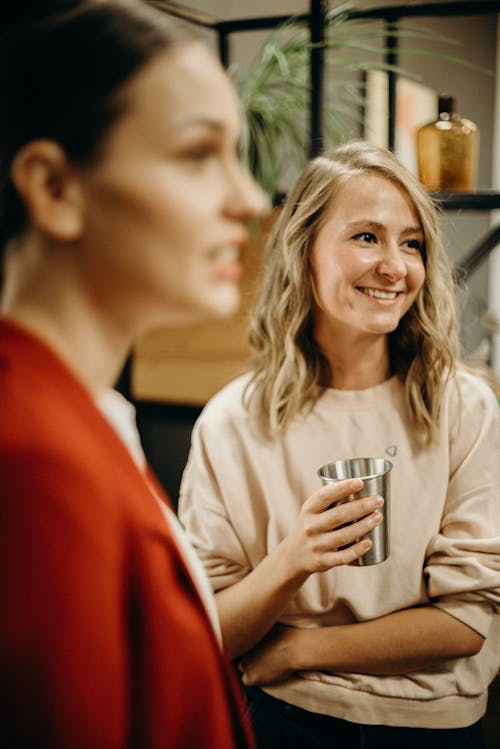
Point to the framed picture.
(416, 104)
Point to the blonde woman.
(355, 354)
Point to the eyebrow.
(368, 223)
(209, 125)
(199, 121)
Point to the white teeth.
(228, 253)
(379, 294)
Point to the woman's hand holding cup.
(330, 529)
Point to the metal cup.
(375, 473)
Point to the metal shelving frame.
(391, 15)
(182, 416)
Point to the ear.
(47, 183)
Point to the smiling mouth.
(227, 265)
(227, 254)
(377, 293)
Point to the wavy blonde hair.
(290, 371)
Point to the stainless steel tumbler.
(375, 473)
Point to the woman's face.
(366, 261)
(167, 203)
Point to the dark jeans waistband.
(279, 725)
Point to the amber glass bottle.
(447, 150)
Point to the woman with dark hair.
(123, 206)
(355, 355)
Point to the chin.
(383, 326)
(221, 303)
(217, 306)
(226, 305)
(382, 330)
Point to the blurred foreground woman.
(122, 207)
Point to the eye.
(199, 152)
(366, 237)
(413, 245)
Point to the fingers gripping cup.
(375, 473)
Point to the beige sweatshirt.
(241, 494)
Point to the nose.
(245, 199)
(391, 263)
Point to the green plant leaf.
(274, 91)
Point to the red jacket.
(103, 640)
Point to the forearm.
(401, 642)
(249, 608)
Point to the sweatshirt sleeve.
(463, 561)
(215, 469)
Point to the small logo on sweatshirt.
(391, 450)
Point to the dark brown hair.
(63, 64)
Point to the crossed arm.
(401, 642)
(314, 546)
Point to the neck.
(50, 300)
(356, 362)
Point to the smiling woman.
(355, 355)
(366, 271)
(123, 206)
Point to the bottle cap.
(446, 104)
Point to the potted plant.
(274, 90)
